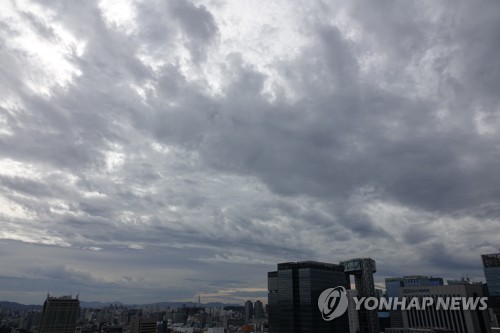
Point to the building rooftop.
(491, 260)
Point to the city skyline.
(158, 150)
(380, 283)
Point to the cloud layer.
(154, 150)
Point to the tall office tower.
(363, 269)
(60, 314)
(248, 311)
(143, 325)
(30, 320)
(459, 321)
(294, 290)
(272, 301)
(392, 286)
(352, 312)
(491, 266)
(258, 310)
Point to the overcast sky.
(156, 150)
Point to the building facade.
(352, 312)
(458, 321)
(143, 325)
(363, 269)
(30, 321)
(60, 314)
(294, 290)
(491, 267)
(248, 311)
(258, 310)
(392, 286)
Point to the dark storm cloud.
(415, 235)
(197, 23)
(26, 186)
(159, 147)
(439, 256)
(335, 141)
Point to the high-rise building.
(363, 269)
(143, 325)
(258, 310)
(294, 290)
(491, 266)
(272, 301)
(60, 314)
(30, 321)
(352, 312)
(248, 311)
(458, 321)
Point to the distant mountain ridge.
(18, 306)
(84, 304)
(98, 305)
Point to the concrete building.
(30, 321)
(392, 286)
(60, 314)
(248, 311)
(258, 310)
(459, 321)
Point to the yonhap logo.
(332, 303)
